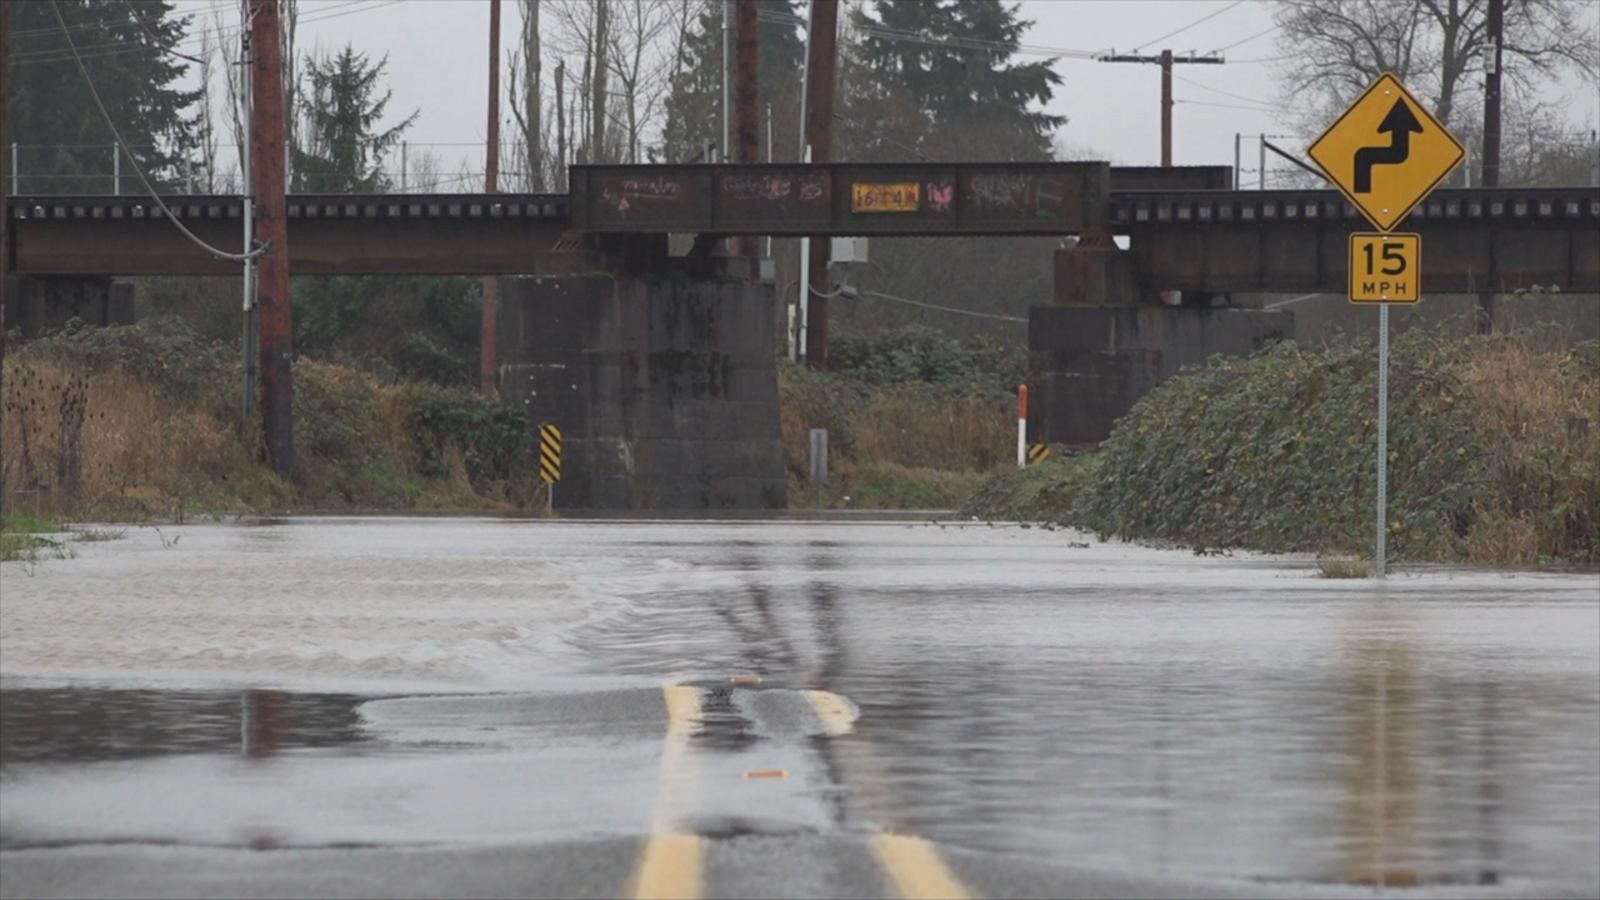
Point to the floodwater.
(1023, 693)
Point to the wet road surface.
(491, 708)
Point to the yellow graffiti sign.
(903, 196)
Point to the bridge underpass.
(660, 370)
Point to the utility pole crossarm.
(1165, 60)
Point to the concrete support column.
(41, 305)
(664, 388)
(1088, 365)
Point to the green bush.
(919, 355)
(1490, 455)
(165, 352)
(493, 437)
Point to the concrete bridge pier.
(1109, 340)
(664, 387)
(38, 305)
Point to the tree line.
(641, 81)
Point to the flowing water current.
(1020, 692)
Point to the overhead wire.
(56, 55)
(949, 309)
(1205, 18)
(155, 195)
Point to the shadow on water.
(78, 725)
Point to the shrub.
(1491, 454)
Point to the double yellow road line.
(672, 865)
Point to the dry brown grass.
(1537, 419)
(962, 434)
(127, 450)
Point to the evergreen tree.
(694, 108)
(937, 77)
(340, 147)
(64, 143)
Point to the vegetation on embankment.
(915, 419)
(144, 422)
(1494, 456)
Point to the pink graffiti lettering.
(940, 196)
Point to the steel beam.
(842, 198)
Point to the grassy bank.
(1494, 456)
(123, 424)
(915, 420)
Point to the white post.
(404, 146)
(247, 212)
(1022, 426)
(805, 279)
(1378, 562)
(116, 170)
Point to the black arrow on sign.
(1399, 123)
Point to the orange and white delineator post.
(1022, 426)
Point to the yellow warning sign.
(1385, 268)
(549, 454)
(1038, 453)
(1386, 152)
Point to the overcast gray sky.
(436, 64)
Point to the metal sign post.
(1385, 153)
(1380, 543)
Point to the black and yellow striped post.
(550, 458)
(1038, 453)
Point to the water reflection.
(75, 725)
(1380, 821)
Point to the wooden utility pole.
(272, 278)
(5, 216)
(491, 284)
(747, 106)
(1165, 60)
(1491, 135)
(823, 31)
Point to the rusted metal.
(1166, 108)
(491, 285)
(272, 279)
(843, 198)
(1213, 240)
(820, 60)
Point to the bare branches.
(1338, 47)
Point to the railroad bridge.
(660, 370)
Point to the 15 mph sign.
(1386, 153)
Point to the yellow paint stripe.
(553, 460)
(671, 868)
(916, 869)
(838, 715)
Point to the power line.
(1262, 33)
(1254, 109)
(949, 309)
(1207, 87)
(83, 70)
(53, 55)
(1204, 18)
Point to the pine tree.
(64, 143)
(694, 108)
(340, 147)
(937, 77)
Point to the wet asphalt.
(791, 711)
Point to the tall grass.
(143, 422)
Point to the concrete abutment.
(664, 388)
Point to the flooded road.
(478, 707)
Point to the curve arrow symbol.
(1399, 123)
